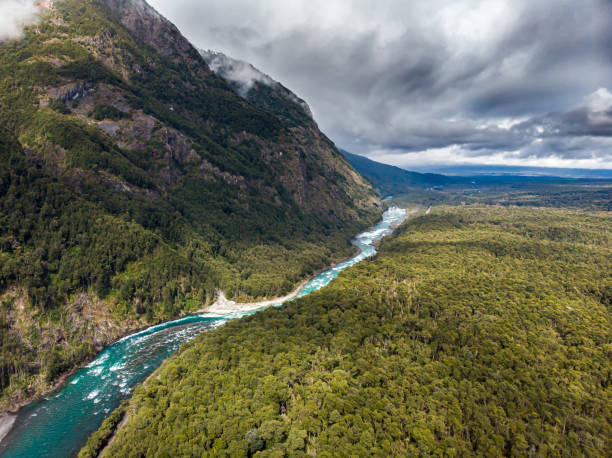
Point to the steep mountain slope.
(134, 181)
(476, 331)
(259, 89)
(265, 93)
(391, 180)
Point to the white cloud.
(14, 15)
(600, 100)
(456, 155)
(239, 72)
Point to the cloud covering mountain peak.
(243, 74)
(15, 15)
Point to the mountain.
(391, 180)
(264, 92)
(259, 89)
(135, 181)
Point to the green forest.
(475, 331)
(134, 182)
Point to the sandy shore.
(225, 306)
(6, 423)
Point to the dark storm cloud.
(472, 80)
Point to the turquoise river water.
(59, 425)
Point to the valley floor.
(476, 330)
(101, 385)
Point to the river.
(59, 425)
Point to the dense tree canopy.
(134, 182)
(481, 331)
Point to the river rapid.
(59, 425)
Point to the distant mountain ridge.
(508, 170)
(391, 180)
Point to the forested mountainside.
(476, 331)
(260, 89)
(391, 180)
(134, 181)
(265, 93)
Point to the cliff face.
(318, 161)
(288, 148)
(132, 173)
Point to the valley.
(191, 266)
(58, 422)
(476, 330)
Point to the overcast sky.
(517, 82)
(413, 82)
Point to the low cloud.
(240, 73)
(15, 15)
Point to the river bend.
(59, 425)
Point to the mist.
(15, 15)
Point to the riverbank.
(225, 306)
(6, 423)
(221, 306)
